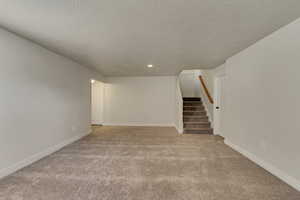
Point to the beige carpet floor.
(144, 163)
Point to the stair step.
(195, 102)
(191, 99)
(192, 103)
(198, 131)
(193, 113)
(196, 108)
(196, 118)
(197, 124)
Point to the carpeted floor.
(140, 163)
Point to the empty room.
(149, 100)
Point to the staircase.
(195, 119)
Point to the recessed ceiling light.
(93, 81)
(149, 66)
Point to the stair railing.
(210, 99)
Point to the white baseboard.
(179, 130)
(28, 161)
(138, 124)
(267, 166)
(218, 133)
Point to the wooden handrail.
(210, 99)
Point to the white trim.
(178, 116)
(207, 112)
(216, 94)
(267, 166)
(218, 133)
(28, 161)
(179, 130)
(216, 129)
(138, 124)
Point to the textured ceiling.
(120, 37)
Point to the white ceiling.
(120, 37)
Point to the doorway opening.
(97, 103)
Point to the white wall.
(44, 103)
(190, 83)
(97, 103)
(209, 79)
(140, 100)
(262, 103)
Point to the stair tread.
(193, 122)
(195, 116)
(193, 106)
(196, 122)
(191, 98)
(204, 116)
(198, 129)
(200, 115)
(185, 123)
(194, 111)
(195, 133)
